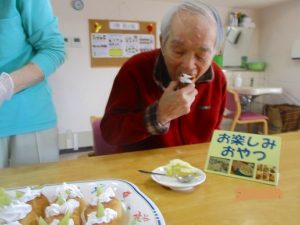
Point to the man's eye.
(202, 58)
(178, 52)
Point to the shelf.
(234, 68)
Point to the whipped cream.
(68, 207)
(109, 215)
(105, 196)
(185, 78)
(13, 223)
(68, 191)
(56, 222)
(29, 194)
(13, 212)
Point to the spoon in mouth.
(182, 179)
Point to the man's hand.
(175, 102)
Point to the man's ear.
(161, 42)
(162, 45)
(214, 52)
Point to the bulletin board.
(112, 42)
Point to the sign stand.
(245, 156)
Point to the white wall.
(79, 90)
(279, 28)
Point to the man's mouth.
(186, 78)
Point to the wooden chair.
(237, 116)
(101, 147)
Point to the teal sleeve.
(41, 28)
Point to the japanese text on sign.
(241, 144)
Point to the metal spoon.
(182, 179)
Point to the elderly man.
(149, 107)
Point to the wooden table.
(213, 202)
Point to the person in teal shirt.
(31, 49)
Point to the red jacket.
(134, 89)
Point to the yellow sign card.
(246, 156)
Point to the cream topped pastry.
(33, 197)
(55, 209)
(180, 168)
(66, 220)
(27, 194)
(14, 211)
(68, 201)
(102, 196)
(13, 223)
(69, 191)
(104, 208)
(57, 222)
(109, 215)
(185, 79)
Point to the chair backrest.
(101, 147)
(233, 102)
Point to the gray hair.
(193, 6)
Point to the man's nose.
(189, 63)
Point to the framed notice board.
(112, 42)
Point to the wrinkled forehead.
(187, 26)
(187, 20)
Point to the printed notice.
(246, 156)
(110, 45)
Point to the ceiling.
(249, 4)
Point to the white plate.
(139, 208)
(174, 184)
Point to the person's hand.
(6, 87)
(175, 102)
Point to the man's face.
(190, 46)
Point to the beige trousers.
(30, 148)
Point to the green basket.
(256, 66)
(219, 60)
